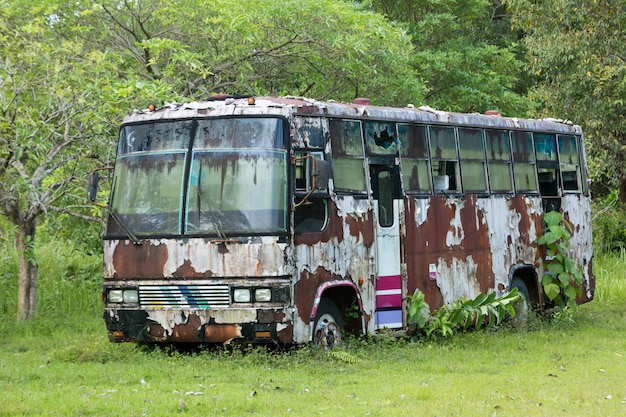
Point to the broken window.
(381, 138)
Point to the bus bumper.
(127, 325)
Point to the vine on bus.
(562, 277)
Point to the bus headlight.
(241, 295)
(116, 296)
(263, 295)
(123, 296)
(131, 296)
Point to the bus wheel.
(328, 324)
(523, 305)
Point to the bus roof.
(223, 106)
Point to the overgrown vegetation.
(462, 314)
(561, 282)
(61, 363)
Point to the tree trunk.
(622, 191)
(28, 269)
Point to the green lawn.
(572, 366)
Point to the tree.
(465, 52)
(46, 132)
(70, 70)
(324, 49)
(576, 51)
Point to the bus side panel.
(460, 247)
(577, 211)
(343, 250)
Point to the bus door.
(388, 204)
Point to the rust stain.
(222, 333)
(286, 335)
(305, 290)
(362, 226)
(139, 261)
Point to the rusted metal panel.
(577, 211)
(155, 258)
(343, 251)
(460, 247)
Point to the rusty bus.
(292, 220)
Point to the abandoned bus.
(290, 220)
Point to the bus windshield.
(219, 177)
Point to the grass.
(62, 365)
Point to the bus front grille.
(184, 296)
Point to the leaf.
(552, 290)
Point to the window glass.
(523, 161)
(415, 175)
(413, 141)
(545, 147)
(414, 157)
(235, 192)
(499, 160)
(150, 137)
(381, 138)
(311, 217)
(472, 160)
(348, 174)
(385, 199)
(446, 175)
(570, 168)
(311, 132)
(523, 150)
(442, 142)
(251, 132)
(347, 144)
(147, 193)
(525, 179)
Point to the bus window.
(547, 166)
(524, 162)
(472, 155)
(445, 163)
(380, 138)
(414, 158)
(311, 217)
(310, 132)
(348, 166)
(499, 161)
(570, 168)
(385, 199)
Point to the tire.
(328, 325)
(523, 306)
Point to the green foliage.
(563, 276)
(344, 356)
(465, 52)
(573, 53)
(462, 314)
(609, 225)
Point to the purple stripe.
(390, 282)
(392, 300)
(387, 317)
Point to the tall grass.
(610, 272)
(69, 284)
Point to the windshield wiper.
(132, 236)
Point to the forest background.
(70, 71)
